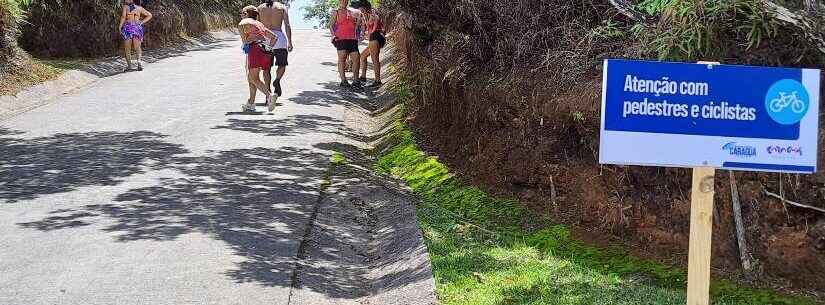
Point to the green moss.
(338, 159)
(481, 254)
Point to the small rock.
(820, 244)
(479, 277)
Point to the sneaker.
(276, 87)
(128, 69)
(248, 108)
(140, 67)
(375, 84)
(345, 84)
(271, 101)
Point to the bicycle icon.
(786, 100)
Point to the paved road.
(150, 188)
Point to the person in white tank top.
(275, 16)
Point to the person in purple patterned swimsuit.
(131, 28)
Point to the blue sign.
(680, 114)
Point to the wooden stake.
(701, 229)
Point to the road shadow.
(295, 125)
(255, 200)
(332, 94)
(115, 65)
(32, 167)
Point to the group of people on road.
(348, 27)
(267, 41)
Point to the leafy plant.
(706, 29)
(608, 30)
(320, 10)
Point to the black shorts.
(281, 56)
(377, 36)
(349, 45)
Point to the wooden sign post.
(701, 229)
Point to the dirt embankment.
(508, 93)
(10, 17)
(57, 28)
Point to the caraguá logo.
(787, 102)
(739, 150)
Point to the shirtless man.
(131, 28)
(273, 15)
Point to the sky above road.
(296, 15)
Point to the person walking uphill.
(274, 15)
(344, 25)
(258, 40)
(131, 28)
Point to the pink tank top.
(345, 27)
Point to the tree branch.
(796, 204)
(812, 28)
(626, 8)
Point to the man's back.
(272, 16)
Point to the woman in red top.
(375, 32)
(254, 34)
(344, 26)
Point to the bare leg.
(254, 77)
(342, 62)
(252, 93)
(276, 85)
(356, 61)
(364, 57)
(375, 51)
(128, 53)
(139, 51)
(267, 76)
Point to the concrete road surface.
(153, 188)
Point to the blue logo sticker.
(787, 102)
(739, 150)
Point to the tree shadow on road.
(116, 64)
(32, 167)
(296, 125)
(334, 95)
(256, 200)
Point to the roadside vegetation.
(508, 94)
(494, 251)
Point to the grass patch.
(482, 255)
(33, 73)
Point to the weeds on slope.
(484, 252)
